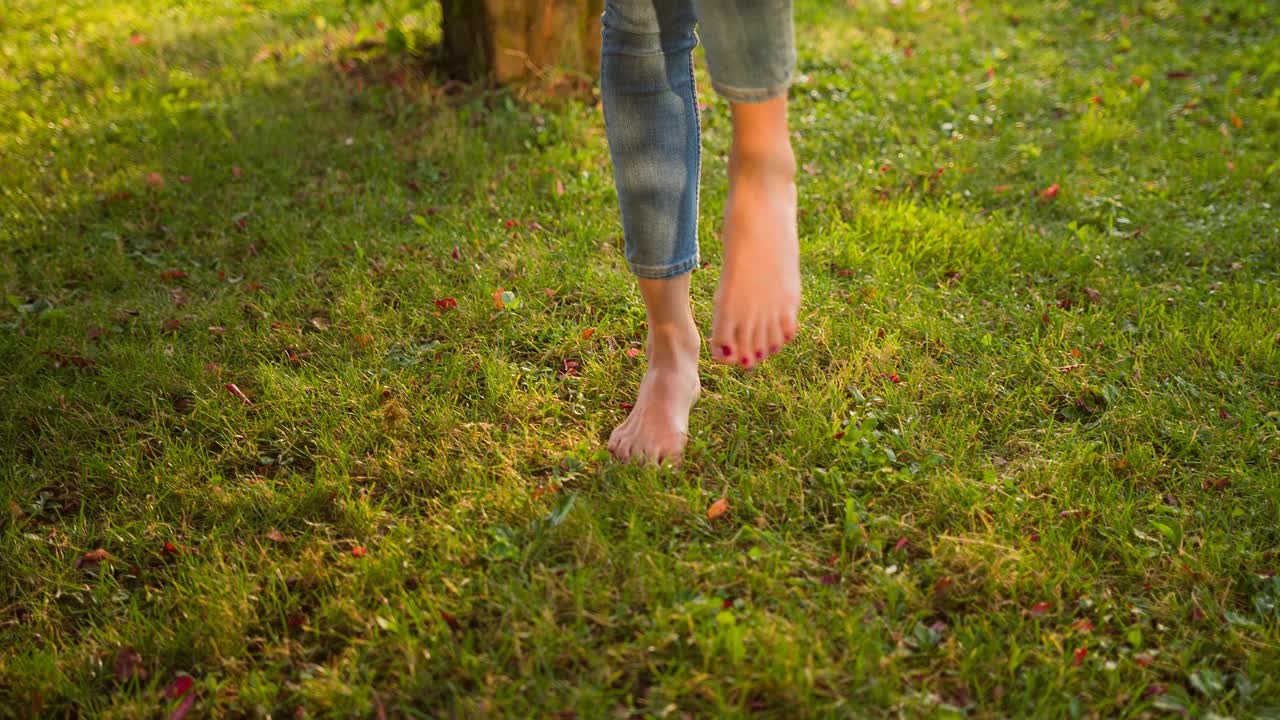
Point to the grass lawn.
(1023, 460)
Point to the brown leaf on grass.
(275, 535)
(718, 508)
(1040, 608)
(172, 275)
(941, 587)
(1093, 295)
(1050, 192)
(92, 558)
(128, 665)
(231, 388)
(155, 180)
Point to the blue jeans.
(651, 108)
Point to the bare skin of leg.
(759, 294)
(657, 429)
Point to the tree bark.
(512, 40)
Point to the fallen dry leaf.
(128, 665)
(92, 558)
(718, 508)
(231, 388)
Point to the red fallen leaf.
(275, 535)
(128, 665)
(231, 388)
(1096, 99)
(1196, 614)
(549, 292)
(991, 73)
(1040, 608)
(497, 298)
(96, 332)
(1236, 122)
(61, 361)
(155, 180)
(92, 558)
(1137, 81)
(1034, 537)
(844, 273)
(937, 173)
(1143, 660)
(570, 365)
(1000, 188)
(1154, 690)
(941, 587)
(559, 187)
(1082, 625)
(830, 579)
(136, 39)
(183, 708)
(359, 551)
(446, 303)
(179, 687)
(908, 52)
(893, 377)
(885, 168)
(296, 620)
(726, 604)
(213, 369)
(1080, 655)
(172, 275)
(172, 326)
(170, 549)
(1178, 75)
(838, 435)
(1216, 484)
(1050, 192)
(184, 179)
(633, 352)
(1075, 514)
(511, 223)
(718, 508)
(242, 224)
(217, 330)
(456, 254)
(588, 333)
(236, 171)
(898, 546)
(1222, 414)
(625, 405)
(450, 620)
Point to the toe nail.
(773, 350)
(725, 350)
(759, 355)
(745, 362)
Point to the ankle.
(773, 158)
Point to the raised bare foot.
(759, 294)
(657, 429)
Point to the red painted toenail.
(773, 350)
(745, 362)
(725, 350)
(759, 355)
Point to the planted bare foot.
(759, 294)
(657, 429)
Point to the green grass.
(1067, 504)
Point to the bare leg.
(759, 294)
(657, 429)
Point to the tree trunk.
(509, 40)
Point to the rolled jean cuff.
(751, 95)
(663, 272)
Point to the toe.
(723, 344)
(774, 339)
(788, 327)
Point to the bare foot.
(657, 429)
(759, 293)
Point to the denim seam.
(697, 155)
(746, 95)
(663, 272)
